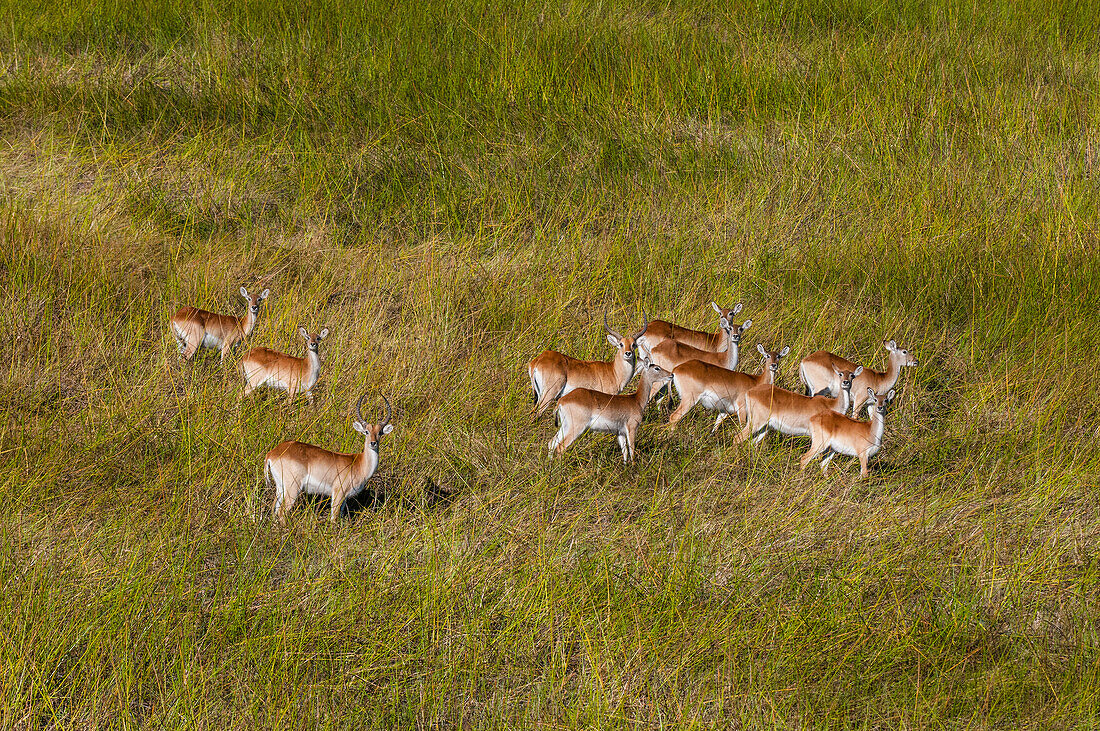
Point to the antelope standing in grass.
(554, 375)
(195, 328)
(818, 372)
(583, 409)
(717, 388)
(787, 412)
(671, 353)
(297, 467)
(839, 434)
(660, 330)
(267, 367)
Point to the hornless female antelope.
(787, 412)
(267, 367)
(717, 388)
(670, 353)
(584, 409)
(553, 375)
(818, 372)
(296, 467)
(195, 328)
(840, 435)
(660, 330)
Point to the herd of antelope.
(294, 467)
(700, 366)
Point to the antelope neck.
(314, 360)
(732, 352)
(249, 321)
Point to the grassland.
(454, 187)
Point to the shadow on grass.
(375, 497)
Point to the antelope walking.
(554, 375)
(195, 328)
(787, 412)
(297, 467)
(671, 353)
(583, 409)
(717, 388)
(818, 372)
(841, 435)
(660, 331)
(267, 367)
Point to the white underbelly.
(599, 423)
(784, 428)
(850, 451)
(210, 340)
(714, 402)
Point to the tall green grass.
(453, 188)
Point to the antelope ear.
(746, 325)
(737, 308)
(613, 340)
(871, 392)
(716, 307)
(890, 396)
(359, 427)
(323, 333)
(783, 353)
(244, 292)
(264, 294)
(857, 371)
(303, 333)
(891, 345)
(760, 347)
(387, 428)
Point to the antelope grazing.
(671, 353)
(583, 409)
(786, 412)
(818, 372)
(267, 367)
(296, 467)
(554, 375)
(660, 331)
(841, 435)
(719, 389)
(195, 328)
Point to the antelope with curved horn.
(839, 434)
(670, 353)
(195, 328)
(787, 412)
(583, 409)
(818, 372)
(717, 388)
(297, 467)
(267, 367)
(660, 331)
(554, 375)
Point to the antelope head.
(373, 432)
(255, 300)
(314, 340)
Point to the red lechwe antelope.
(787, 412)
(583, 409)
(554, 375)
(841, 435)
(818, 372)
(195, 328)
(297, 467)
(267, 367)
(717, 388)
(660, 330)
(670, 353)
